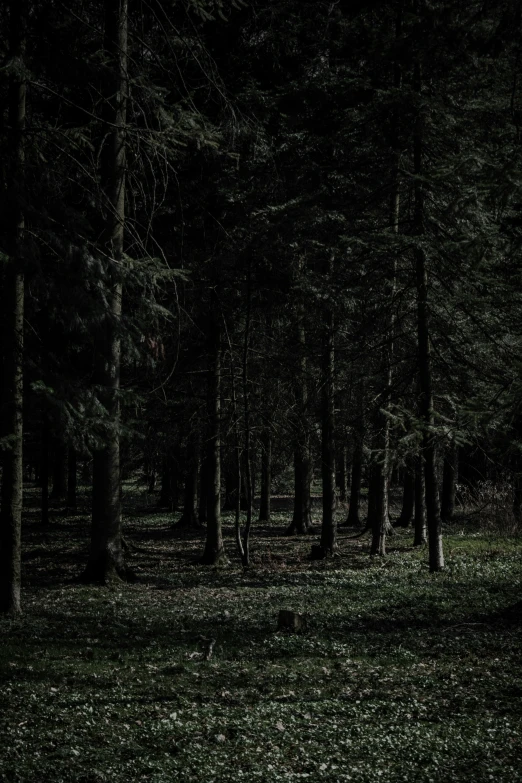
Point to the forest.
(261, 390)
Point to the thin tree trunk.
(354, 519)
(420, 504)
(13, 302)
(203, 492)
(436, 557)
(381, 526)
(72, 478)
(106, 559)
(449, 483)
(302, 516)
(247, 456)
(329, 527)
(214, 552)
(266, 475)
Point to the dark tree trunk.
(378, 519)
(436, 557)
(329, 527)
(449, 483)
(44, 471)
(354, 519)
(420, 504)
(266, 475)
(72, 478)
(169, 485)
(408, 496)
(189, 518)
(341, 462)
(59, 489)
(106, 559)
(13, 305)
(203, 492)
(302, 517)
(214, 552)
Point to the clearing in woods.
(399, 676)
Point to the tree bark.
(106, 560)
(302, 516)
(13, 302)
(214, 552)
(436, 557)
(329, 527)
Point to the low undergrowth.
(400, 676)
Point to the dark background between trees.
(239, 238)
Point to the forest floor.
(401, 675)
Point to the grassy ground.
(401, 675)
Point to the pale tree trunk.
(13, 304)
(106, 560)
(214, 552)
(302, 516)
(329, 528)
(380, 523)
(436, 557)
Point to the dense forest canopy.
(244, 238)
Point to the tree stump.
(291, 621)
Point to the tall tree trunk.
(449, 483)
(247, 455)
(354, 519)
(72, 474)
(203, 492)
(436, 557)
(302, 516)
(214, 552)
(329, 527)
(266, 475)
(420, 504)
(13, 303)
(381, 522)
(106, 552)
